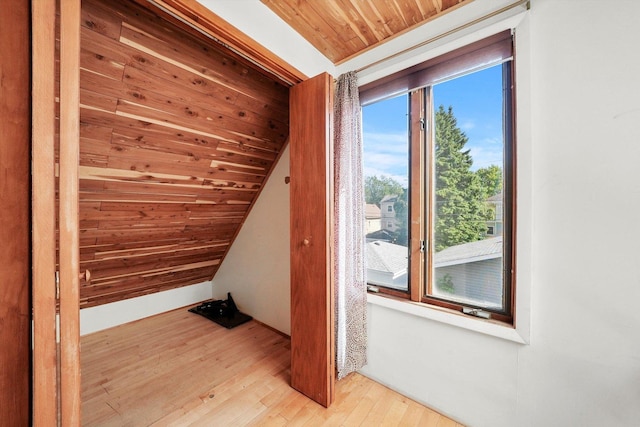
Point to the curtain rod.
(447, 33)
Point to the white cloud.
(467, 125)
(486, 155)
(386, 154)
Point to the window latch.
(423, 246)
(476, 312)
(423, 123)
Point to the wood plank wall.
(177, 137)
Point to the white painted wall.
(257, 21)
(256, 269)
(94, 319)
(578, 252)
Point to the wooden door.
(15, 148)
(312, 311)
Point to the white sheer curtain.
(349, 268)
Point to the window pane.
(467, 189)
(386, 160)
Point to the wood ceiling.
(179, 134)
(177, 137)
(341, 29)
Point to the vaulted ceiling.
(341, 29)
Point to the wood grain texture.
(341, 29)
(177, 137)
(43, 211)
(178, 369)
(312, 306)
(69, 254)
(15, 143)
(192, 14)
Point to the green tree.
(459, 194)
(491, 179)
(376, 188)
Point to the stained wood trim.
(15, 310)
(199, 17)
(45, 410)
(417, 188)
(312, 294)
(68, 226)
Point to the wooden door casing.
(15, 148)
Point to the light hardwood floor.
(180, 369)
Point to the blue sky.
(477, 106)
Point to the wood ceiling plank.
(313, 27)
(147, 286)
(350, 14)
(342, 29)
(410, 12)
(390, 23)
(204, 63)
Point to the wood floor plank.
(180, 369)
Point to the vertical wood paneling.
(15, 315)
(312, 306)
(45, 409)
(68, 222)
(177, 137)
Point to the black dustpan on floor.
(223, 312)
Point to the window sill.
(448, 317)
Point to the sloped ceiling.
(341, 29)
(178, 135)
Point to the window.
(439, 146)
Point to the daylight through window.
(438, 165)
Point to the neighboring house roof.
(495, 198)
(469, 252)
(384, 256)
(382, 235)
(389, 198)
(371, 211)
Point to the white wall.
(94, 319)
(256, 20)
(256, 269)
(579, 116)
(578, 251)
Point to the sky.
(477, 106)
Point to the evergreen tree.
(491, 179)
(459, 194)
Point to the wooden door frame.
(45, 360)
(15, 306)
(68, 223)
(43, 204)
